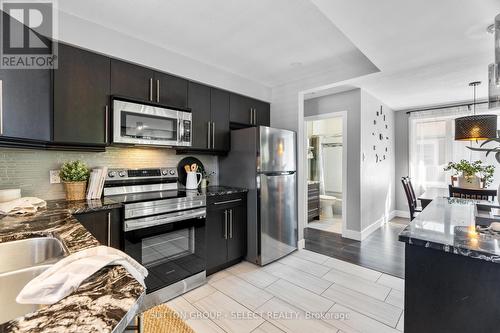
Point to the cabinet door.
(216, 241)
(131, 80)
(237, 235)
(262, 113)
(199, 102)
(170, 90)
(219, 106)
(240, 109)
(81, 97)
(26, 109)
(103, 223)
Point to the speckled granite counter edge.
(105, 302)
(453, 249)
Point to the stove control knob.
(172, 172)
(121, 173)
(111, 174)
(164, 172)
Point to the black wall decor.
(381, 128)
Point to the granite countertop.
(104, 302)
(222, 190)
(448, 224)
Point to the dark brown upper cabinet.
(262, 113)
(210, 110)
(219, 109)
(170, 90)
(25, 98)
(247, 111)
(137, 82)
(199, 103)
(26, 104)
(133, 81)
(81, 97)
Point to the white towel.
(65, 276)
(25, 205)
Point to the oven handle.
(152, 221)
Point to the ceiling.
(420, 52)
(270, 42)
(427, 51)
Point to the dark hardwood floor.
(380, 251)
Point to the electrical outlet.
(54, 177)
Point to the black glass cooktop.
(157, 195)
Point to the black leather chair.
(410, 196)
(467, 193)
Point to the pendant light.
(475, 127)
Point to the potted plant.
(470, 174)
(206, 177)
(74, 175)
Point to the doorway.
(325, 160)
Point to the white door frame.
(337, 114)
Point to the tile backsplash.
(29, 169)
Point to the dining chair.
(467, 193)
(410, 196)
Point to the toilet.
(327, 203)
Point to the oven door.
(135, 123)
(170, 246)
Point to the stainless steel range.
(163, 229)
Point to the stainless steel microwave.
(142, 124)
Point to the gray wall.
(29, 169)
(349, 101)
(402, 157)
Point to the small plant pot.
(75, 190)
(471, 182)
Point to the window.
(432, 146)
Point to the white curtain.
(432, 146)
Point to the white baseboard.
(372, 227)
(301, 244)
(402, 213)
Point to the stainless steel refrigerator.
(263, 159)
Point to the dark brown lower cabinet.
(226, 231)
(313, 202)
(105, 226)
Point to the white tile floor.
(333, 224)
(304, 292)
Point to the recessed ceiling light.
(296, 64)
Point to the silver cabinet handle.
(109, 228)
(158, 91)
(230, 223)
(213, 135)
(106, 123)
(251, 116)
(225, 224)
(151, 89)
(208, 136)
(254, 116)
(226, 202)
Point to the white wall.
(377, 178)
(95, 37)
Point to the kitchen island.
(105, 302)
(452, 271)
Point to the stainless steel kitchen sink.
(30, 252)
(11, 283)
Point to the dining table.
(431, 193)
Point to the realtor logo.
(28, 35)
